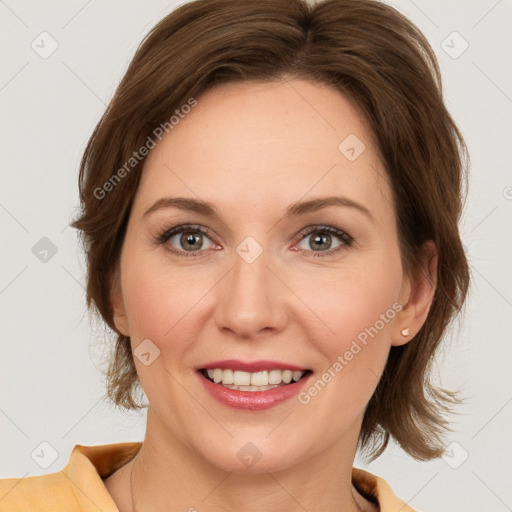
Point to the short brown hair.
(382, 62)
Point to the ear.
(117, 303)
(416, 297)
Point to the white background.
(50, 389)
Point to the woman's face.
(271, 286)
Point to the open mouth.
(253, 381)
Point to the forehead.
(265, 143)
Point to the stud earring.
(405, 332)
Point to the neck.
(167, 474)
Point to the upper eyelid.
(180, 228)
(323, 227)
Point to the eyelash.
(344, 237)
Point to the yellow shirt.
(79, 486)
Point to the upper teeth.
(264, 378)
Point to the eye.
(324, 240)
(187, 238)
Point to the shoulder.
(378, 491)
(52, 492)
(78, 487)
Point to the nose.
(252, 300)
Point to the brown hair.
(381, 61)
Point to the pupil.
(194, 241)
(319, 239)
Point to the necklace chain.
(131, 485)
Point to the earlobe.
(417, 296)
(118, 309)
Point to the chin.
(252, 454)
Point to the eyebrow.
(294, 210)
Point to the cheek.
(161, 302)
(160, 307)
(351, 302)
(361, 314)
(357, 309)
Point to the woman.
(269, 212)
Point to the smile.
(256, 381)
(250, 386)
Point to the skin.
(252, 149)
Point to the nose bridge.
(250, 278)
(250, 299)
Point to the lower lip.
(252, 400)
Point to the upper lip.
(250, 366)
